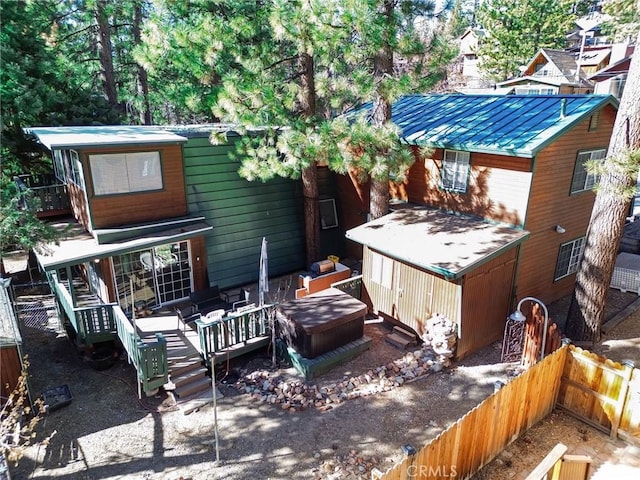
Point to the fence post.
(622, 398)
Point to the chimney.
(563, 108)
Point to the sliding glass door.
(153, 277)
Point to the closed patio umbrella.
(263, 281)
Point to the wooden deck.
(182, 340)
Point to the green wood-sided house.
(158, 215)
(498, 210)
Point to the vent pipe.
(563, 108)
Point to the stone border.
(272, 388)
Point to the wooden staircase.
(189, 380)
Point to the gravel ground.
(107, 433)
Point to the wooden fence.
(475, 439)
(600, 392)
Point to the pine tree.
(517, 30)
(615, 190)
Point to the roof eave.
(465, 148)
(609, 100)
(508, 246)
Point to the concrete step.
(197, 400)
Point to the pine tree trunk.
(310, 174)
(107, 75)
(593, 278)
(143, 82)
(383, 69)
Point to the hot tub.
(321, 322)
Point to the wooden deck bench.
(208, 299)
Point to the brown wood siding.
(115, 210)
(106, 268)
(354, 203)
(498, 187)
(486, 303)
(551, 204)
(10, 371)
(199, 263)
(79, 206)
(415, 294)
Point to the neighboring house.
(506, 201)
(612, 78)
(469, 42)
(552, 72)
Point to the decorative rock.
(266, 384)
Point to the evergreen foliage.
(517, 30)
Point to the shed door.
(420, 294)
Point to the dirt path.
(107, 433)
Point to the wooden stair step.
(401, 338)
(200, 385)
(179, 368)
(186, 377)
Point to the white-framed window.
(569, 257)
(536, 91)
(67, 167)
(115, 173)
(381, 270)
(455, 171)
(328, 216)
(582, 179)
(76, 169)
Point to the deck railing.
(148, 358)
(106, 322)
(236, 330)
(44, 197)
(352, 286)
(94, 323)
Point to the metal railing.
(220, 334)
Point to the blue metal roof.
(516, 125)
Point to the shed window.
(455, 171)
(582, 179)
(569, 257)
(381, 270)
(125, 172)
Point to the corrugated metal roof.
(450, 245)
(516, 125)
(77, 137)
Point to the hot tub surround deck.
(309, 284)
